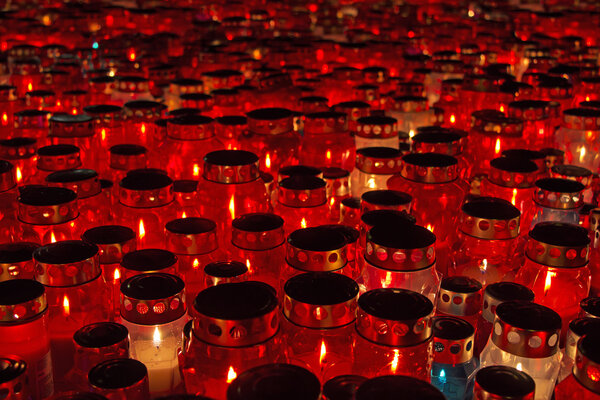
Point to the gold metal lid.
(489, 218)
(16, 260)
(21, 300)
(302, 191)
(316, 249)
(499, 292)
(220, 272)
(71, 126)
(513, 172)
(325, 123)
(123, 378)
(587, 362)
(429, 167)
(231, 166)
(67, 263)
(460, 296)
(582, 118)
(13, 378)
(143, 111)
(559, 193)
(385, 200)
(379, 160)
(18, 148)
(191, 127)
(257, 231)
(377, 127)
(146, 189)
(46, 205)
(270, 121)
(84, 182)
(557, 244)
(439, 140)
(499, 382)
(572, 172)
(114, 241)
(452, 340)
(191, 236)
(528, 110)
(58, 157)
(126, 157)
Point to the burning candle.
(302, 197)
(153, 310)
(577, 329)
(327, 142)
(557, 200)
(120, 378)
(583, 382)
(374, 166)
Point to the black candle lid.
(504, 382)
(17, 252)
(499, 292)
(101, 334)
(191, 236)
(7, 176)
(123, 373)
(302, 191)
(146, 188)
(21, 299)
(220, 272)
(231, 166)
(148, 260)
(66, 263)
(113, 240)
(275, 382)
(257, 231)
(291, 170)
(78, 396)
(393, 387)
(490, 218)
(385, 199)
(558, 244)
(342, 387)
(429, 167)
(316, 249)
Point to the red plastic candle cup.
(302, 201)
(318, 329)
(24, 330)
(125, 157)
(230, 129)
(139, 119)
(374, 167)
(452, 142)
(31, 123)
(486, 243)
(337, 185)
(21, 152)
(537, 130)
(214, 357)
(8, 100)
(406, 346)
(327, 141)
(108, 123)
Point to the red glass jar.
(318, 330)
(144, 261)
(21, 152)
(230, 129)
(400, 259)
(556, 268)
(153, 309)
(594, 265)
(337, 186)
(537, 129)
(121, 378)
(376, 131)
(94, 344)
(91, 203)
(275, 380)
(272, 138)
(582, 383)
(326, 141)
(432, 179)
(113, 241)
(8, 199)
(350, 212)
(494, 295)
(578, 137)
(302, 202)
(558, 200)
(513, 179)
(499, 382)
(14, 380)
(485, 247)
(374, 167)
(47, 214)
(192, 137)
(8, 100)
(24, 329)
(389, 386)
(139, 119)
(58, 157)
(231, 187)
(452, 142)
(257, 240)
(354, 110)
(108, 123)
(31, 123)
(411, 112)
(462, 297)
(194, 241)
(77, 295)
(77, 130)
(395, 335)
(577, 174)
(16, 260)
(577, 329)
(235, 328)
(145, 205)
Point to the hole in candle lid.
(232, 120)
(32, 113)
(436, 137)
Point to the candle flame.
(581, 151)
(411, 133)
(183, 214)
(587, 98)
(29, 87)
(131, 55)
(541, 132)
(303, 223)
(268, 161)
(66, 306)
(385, 283)
(452, 119)
(196, 172)
(514, 197)
(395, 360)
(195, 263)
(497, 148)
(117, 274)
(141, 230)
(323, 352)
(52, 237)
(332, 202)
(156, 337)
(484, 265)
(4, 119)
(519, 367)
(19, 175)
(328, 154)
(502, 108)
(143, 129)
(232, 207)
(548, 283)
(74, 111)
(231, 375)
(248, 265)
(103, 134)
(430, 227)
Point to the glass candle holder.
(8, 197)
(411, 112)
(557, 200)
(145, 205)
(13, 378)
(374, 167)
(485, 247)
(31, 123)
(94, 344)
(231, 186)
(526, 337)
(513, 179)
(122, 378)
(318, 330)
(494, 295)
(16, 260)
(153, 310)
(577, 329)
(257, 240)
(337, 186)
(58, 157)
(400, 259)
(452, 142)
(123, 158)
(108, 123)
(9, 100)
(302, 202)
(354, 110)
(90, 200)
(577, 174)
(453, 369)
(47, 214)
(230, 129)
(556, 263)
(144, 261)
(432, 180)
(270, 380)
(272, 138)
(139, 117)
(460, 296)
(537, 128)
(342, 387)
(24, 328)
(405, 350)
(388, 386)
(327, 142)
(503, 383)
(578, 135)
(582, 383)
(235, 328)
(192, 137)
(385, 200)
(21, 152)
(376, 131)
(77, 130)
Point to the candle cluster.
(299, 200)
